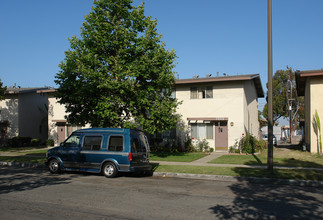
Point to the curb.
(308, 183)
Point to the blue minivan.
(101, 150)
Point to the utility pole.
(270, 159)
(290, 100)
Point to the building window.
(202, 92)
(194, 93)
(70, 128)
(202, 131)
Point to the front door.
(61, 132)
(221, 135)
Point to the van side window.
(115, 143)
(92, 142)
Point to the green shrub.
(50, 142)
(234, 149)
(188, 145)
(19, 141)
(35, 142)
(249, 144)
(203, 145)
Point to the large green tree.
(284, 91)
(2, 90)
(118, 72)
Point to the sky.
(209, 36)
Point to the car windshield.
(72, 141)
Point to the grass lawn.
(244, 172)
(176, 157)
(24, 159)
(282, 157)
(25, 152)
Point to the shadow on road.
(286, 201)
(21, 179)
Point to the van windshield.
(72, 141)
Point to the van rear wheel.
(109, 170)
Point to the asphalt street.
(27, 193)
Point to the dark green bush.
(203, 145)
(249, 144)
(35, 142)
(50, 142)
(19, 141)
(188, 145)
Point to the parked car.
(265, 137)
(105, 150)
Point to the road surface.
(27, 193)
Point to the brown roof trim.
(60, 121)
(254, 77)
(19, 90)
(208, 119)
(46, 90)
(301, 77)
(311, 72)
(214, 79)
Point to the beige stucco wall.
(9, 112)
(236, 101)
(316, 94)
(307, 108)
(56, 111)
(26, 113)
(251, 122)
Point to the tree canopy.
(282, 89)
(2, 90)
(118, 72)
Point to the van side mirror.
(61, 144)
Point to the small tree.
(281, 96)
(317, 123)
(118, 73)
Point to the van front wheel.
(109, 170)
(53, 166)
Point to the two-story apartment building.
(220, 109)
(310, 85)
(23, 112)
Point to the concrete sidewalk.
(205, 162)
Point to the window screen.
(115, 143)
(209, 92)
(202, 131)
(194, 93)
(92, 142)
